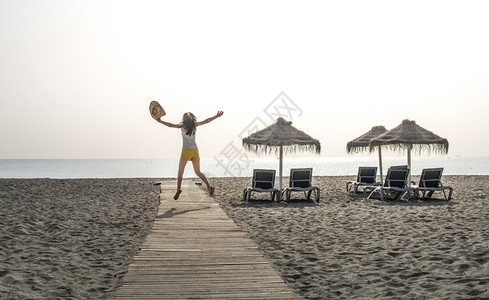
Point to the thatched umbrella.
(281, 137)
(409, 136)
(362, 143)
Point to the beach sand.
(347, 247)
(71, 238)
(75, 238)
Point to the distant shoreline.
(222, 167)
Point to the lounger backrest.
(367, 174)
(301, 178)
(264, 179)
(399, 167)
(391, 168)
(396, 177)
(431, 177)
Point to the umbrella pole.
(380, 165)
(280, 171)
(409, 164)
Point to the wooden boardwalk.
(195, 251)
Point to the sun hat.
(156, 110)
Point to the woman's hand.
(219, 113)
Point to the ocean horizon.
(225, 167)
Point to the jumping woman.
(190, 152)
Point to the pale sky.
(76, 77)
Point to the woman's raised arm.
(219, 113)
(169, 124)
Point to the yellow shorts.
(191, 154)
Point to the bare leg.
(201, 175)
(181, 169)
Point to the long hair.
(188, 122)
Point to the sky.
(77, 77)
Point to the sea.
(227, 167)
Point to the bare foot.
(211, 191)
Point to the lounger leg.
(408, 193)
(372, 192)
(275, 196)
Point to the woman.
(190, 152)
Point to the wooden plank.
(194, 250)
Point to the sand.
(76, 238)
(71, 238)
(347, 247)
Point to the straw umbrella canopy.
(281, 137)
(362, 143)
(408, 136)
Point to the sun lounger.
(301, 181)
(367, 176)
(263, 182)
(430, 182)
(368, 188)
(395, 182)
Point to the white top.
(188, 141)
